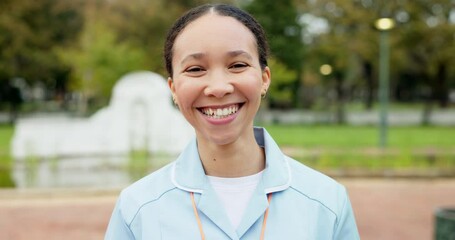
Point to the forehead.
(215, 31)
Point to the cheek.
(186, 93)
(252, 88)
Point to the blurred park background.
(327, 106)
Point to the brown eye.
(239, 65)
(194, 69)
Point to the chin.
(222, 139)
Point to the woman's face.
(217, 80)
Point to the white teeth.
(220, 112)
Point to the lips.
(220, 112)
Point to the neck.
(241, 158)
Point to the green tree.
(29, 32)
(350, 45)
(428, 37)
(421, 44)
(280, 91)
(99, 60)
(144, 24)
(279, 19)
(121, 36)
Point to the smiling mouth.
(221, 112)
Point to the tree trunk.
(340, 114)
(441, 90)
(368, 75)
(428, 107)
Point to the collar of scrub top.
(188, 174)
(201, 228)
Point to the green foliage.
(38, 38)
(29, 31)
(279, 20)
(280, 91)
(144, 25)
(119, 37)
(427, 42)
(421, 45)
(100, 60)
(83, 45)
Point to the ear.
(170, 83)
(266, 78)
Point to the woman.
(232, 181)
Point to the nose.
(218, 85)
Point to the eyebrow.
(238, 53)
(192, 56)
(202, 55)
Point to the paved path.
(385, 209)
(398, 209)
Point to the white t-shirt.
(235, 193)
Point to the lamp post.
(383, 25)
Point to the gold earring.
(264, 93)
(175, 102)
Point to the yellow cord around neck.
(199, 224)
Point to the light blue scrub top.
(305, 203)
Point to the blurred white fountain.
(140, 116)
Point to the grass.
(6, 134)
(310, 136)
(410, 150)
(359, 106)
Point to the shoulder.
(317, 186)
(147, 190)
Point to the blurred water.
(85, 172)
